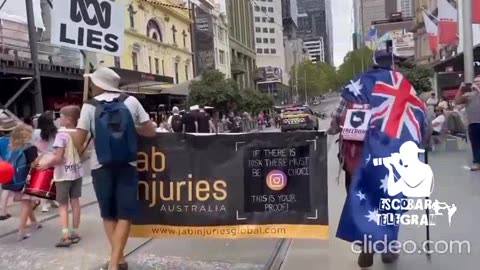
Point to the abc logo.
(276, 180)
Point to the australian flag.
(398, 116)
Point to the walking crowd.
(48, 159)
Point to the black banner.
(233, 186)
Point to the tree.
(314, 79)
(253, 101)
(214, 90)
(420, 77)
(355, 62)
(223, 94)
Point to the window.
(257, 19)
(266, 51)
(265, 40)
(153, 30)
(265, 30)
(221, 34)
(186, 72)
(264, 9)
(273, 51)
(259, 51)
(163, 67)
(272, 40)
(135, 61)
(131, 16)
(258, 29)
(259, 40)
(257, 8)
(221, 57)
(272, 30)
(174, 34)
(157, 68)
(176, 73)
(150, 64)
(184, 34)
(264, 19)
(116, 59)
(272, 20)
(270, 9)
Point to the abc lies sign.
(91, 25)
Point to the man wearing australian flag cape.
(396, 116)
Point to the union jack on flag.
(396, 108)
(398, 116)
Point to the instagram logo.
(276, 180)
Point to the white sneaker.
(45, 208)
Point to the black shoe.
(365, 260)
(389, 258)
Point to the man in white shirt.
(115, 186)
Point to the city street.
(38, 252)
(454, 184)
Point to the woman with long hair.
(43, 139)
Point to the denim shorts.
(116, 188)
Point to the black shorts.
(116, 189)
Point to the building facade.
(157, 40)
(269, 39)
(210, 42)
(242, 41)
(313, 24)
(378, 10)
(423, 53)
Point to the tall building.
(377, 10)
(313, 25)
(271, 75)
(269, 37)
(210, 42)
(290, 18)
(316, 50)
(242, 41)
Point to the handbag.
(40, 184)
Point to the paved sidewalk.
(453, 184)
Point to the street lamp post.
(32, 36)
(305, 86)
(468, 68)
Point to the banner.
(89, 25)
(264, 185)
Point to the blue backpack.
(19, 162)
(115, 135)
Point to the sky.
(342, 17)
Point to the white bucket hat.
(105, 78)
(194, 108)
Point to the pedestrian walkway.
(453, 184)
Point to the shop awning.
(153, 88)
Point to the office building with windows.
(269, 36)
(316, 50)
(314, 25)
(242, 41)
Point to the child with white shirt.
(68, 175)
